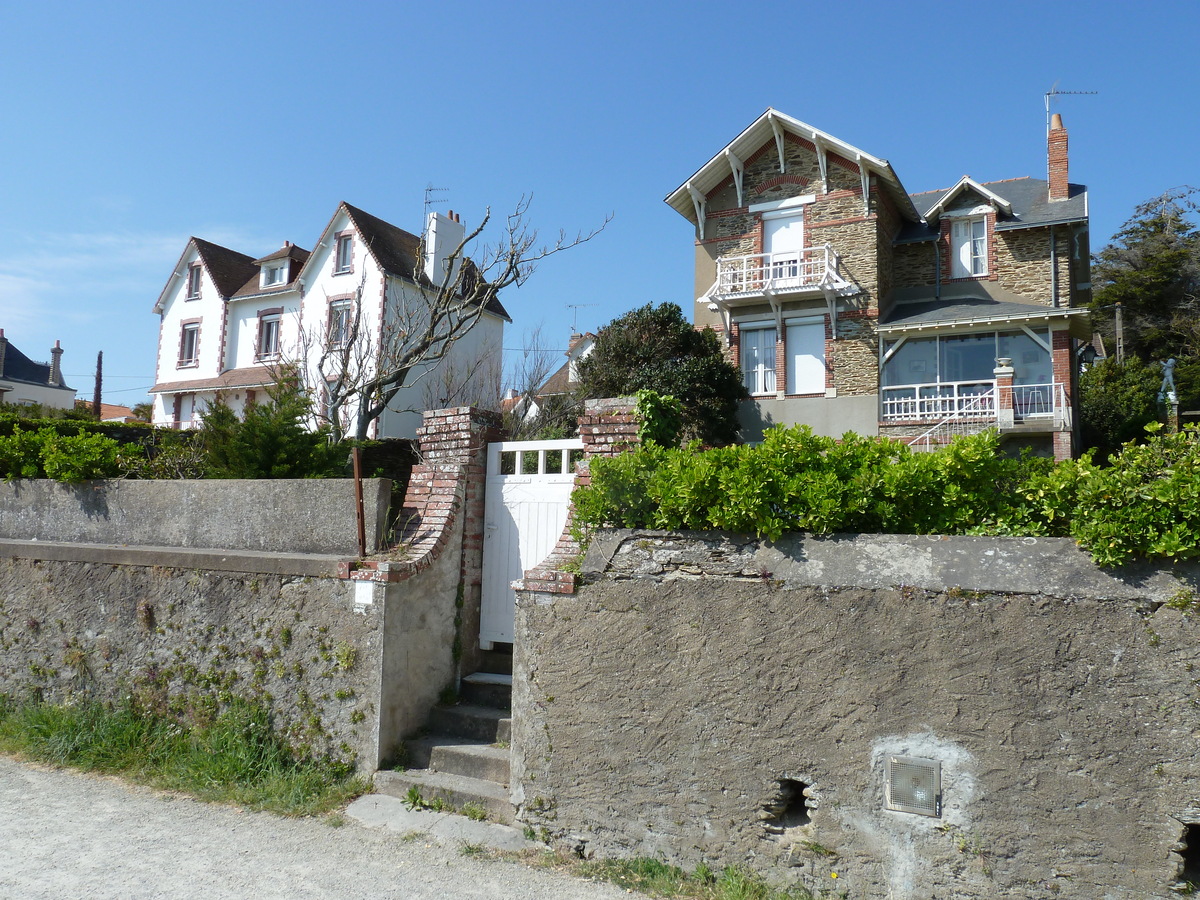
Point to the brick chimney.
(1056, 157)
(3, 347)
(56, 364)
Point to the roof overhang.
(771, 126)
(161, 303)
(964, 183)
(1078, 320)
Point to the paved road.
(65, 835)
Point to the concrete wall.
(672, 702)
(285, 516)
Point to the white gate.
(525, 502)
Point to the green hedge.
(1146, 503)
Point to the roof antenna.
(575, 315)
(1055, 92)
(430, 190)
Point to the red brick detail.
(781, 179)
(1056, 150)
(1004, 391)
(607, 428)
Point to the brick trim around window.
(184, 327)
(340, 266)
(275, 313)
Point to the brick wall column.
(607, 428)
(1003, 373)
(454, 441)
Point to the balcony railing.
(974, 400)
(812, 268)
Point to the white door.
(783, 239)
(526, 497)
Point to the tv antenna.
(575, 314)
(430, 190)
(1055, 92)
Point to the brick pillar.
(457, 439)
(608, 427)
(1003, 373)
(1056, 158)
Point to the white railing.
(1035, 401)
(759, 273)
(974, 400)
(968, 420)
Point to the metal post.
(356, 456)
(1120, 336)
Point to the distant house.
(110, 412)
(562, 383)
(853, 305)
(230, 322)
(26, 382)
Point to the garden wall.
(314, 515)
(708, 697)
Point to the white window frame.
(343, 254)
(969, 247)
(274, 274)
(760, 378)
(189, 334)
(269, 330)
(340, 312)
(194, 280)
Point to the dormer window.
(193, 282)
(344, 254)
(969, 247)
(274, 273)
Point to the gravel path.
(64, 834)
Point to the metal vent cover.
(914, 785)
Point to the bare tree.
(360, 372)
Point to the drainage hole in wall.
(788, 809)
(1190, 871)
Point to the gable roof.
(254, 287)
(228, 269)
(1029, 203)
(966, 183)
(763, 129)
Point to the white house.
(26, 382)
(230, 322)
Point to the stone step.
(456, 790)
(487, 689)
(478, 723)
(454, 757)
(496, 661)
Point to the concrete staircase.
(464, 756)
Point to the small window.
(268, 337)
(340, 323)
(344, 257)
(970, 256)
(274, 274)
(189, 343)
(758, 359)
(193, 282)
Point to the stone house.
(27, 382)
(229, 321)
(851, 304)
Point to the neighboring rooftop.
(1029, 199)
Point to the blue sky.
(126, 127)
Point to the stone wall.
(709, 697)
(313, 515)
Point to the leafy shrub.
(1146, 503)
(47, 453)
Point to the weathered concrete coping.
(256, 562)
(1050, 566)
(312, 515)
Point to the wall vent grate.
(914, 785)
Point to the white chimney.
(442, 235)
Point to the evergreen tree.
(655, 348)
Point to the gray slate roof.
(19, 367)
(1031, 207)
(943, 312)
